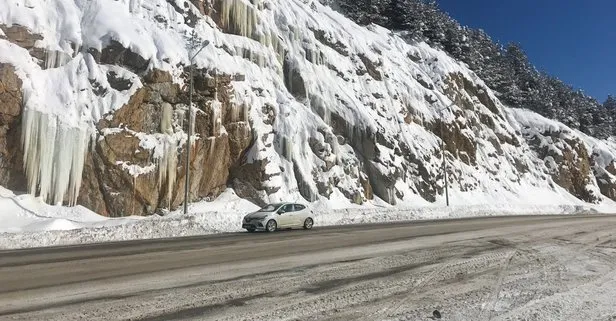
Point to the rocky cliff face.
(582, 165)
(122, 176)
(11, 160)
(292, 101)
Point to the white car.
(279, 216)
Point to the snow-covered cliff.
(293, 101)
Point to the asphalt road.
(177, 278)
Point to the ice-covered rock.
(292, 102)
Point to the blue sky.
(574, 40)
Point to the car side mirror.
(281, 212)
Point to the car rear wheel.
(308, 223)
(271, 226)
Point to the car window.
(287, 208)
(299, 207)
(269, 208)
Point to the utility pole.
(189, 120)
(444, 165)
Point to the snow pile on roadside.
(30, 215)
(228, 201)
(374, 215)
(27, 213)
(26, 221)
(222, 216)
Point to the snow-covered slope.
(331, 111)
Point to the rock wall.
(11, 159)
(124, 177)
(578, 163)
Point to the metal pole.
(444, 162)
(189, 119)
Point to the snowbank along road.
(508, 268)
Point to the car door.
(299, 215)
(285, 216)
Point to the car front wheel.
(308, 223)
(271, 226)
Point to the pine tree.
(363, 12)
(610, 103)
(396, 17)
(507, 70)
(436, 24)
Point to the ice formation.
(54, 59)
(239, 17)
(60, 108)
(54, 156)
(167, 158)
(167, 166)
(369, 99)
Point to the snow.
(227, 201)
(591, 301)
(536, 122)
(273, 43)
(524, 269)
(24, 213)
(60, 108)
(136, 170)
(552, 134)
(26, 221)
(269, 44)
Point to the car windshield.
(270, 208)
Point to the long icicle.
(54, 157)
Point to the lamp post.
(189, 120)
(444, 165)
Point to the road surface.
(500, 268)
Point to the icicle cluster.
(168, 160)
(55, 59)
(270, 39)
(167, 167)
(288, 148)
(238, 112)
(239, 18)
(54, 157)
(216, 121)
(315, 56)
